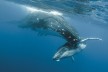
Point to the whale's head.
(68, 50)
(62, 53)
(65, 51)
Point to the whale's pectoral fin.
(86, 39)
(82, 44)
(72, 58)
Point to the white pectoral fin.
(82, 45)
(86, 39)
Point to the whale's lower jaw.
(64, 54)
(66, 51)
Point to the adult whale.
(51, 22)
(54, 23)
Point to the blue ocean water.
(23, 50)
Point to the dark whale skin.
(52, 23)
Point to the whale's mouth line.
(56, 59)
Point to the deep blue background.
(22, 50)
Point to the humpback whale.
(54, 23)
